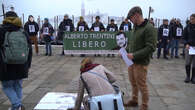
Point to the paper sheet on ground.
(128, 61)
(57, 101)
(192, 50)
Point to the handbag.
(104, 102)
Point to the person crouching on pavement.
(97, 85)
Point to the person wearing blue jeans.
(13, 90)
(48, 48)
(176, 35)
(12, 74)
(46, 32)
(174, 46)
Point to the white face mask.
(31, 19)
(121, 40)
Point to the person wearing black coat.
(176, 34)
(163, 39)
(97, 26)
(189, 36)
(125, 26)
(11, 75)
(46, 32)
(82, 25)
(32, 28)
(112, 27)
(65, 25)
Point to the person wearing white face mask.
(32, 28)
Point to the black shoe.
(72, 55)
(166, 58)
(108, 55)
(99, 55)
(177, 57)
(95, 55)
(187, 80)
(82, 55)
(46, 54)
(193, 76)
(113, 55)
(50, 54)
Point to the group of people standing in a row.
(169, 36)
(67, 25)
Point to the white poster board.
(57, 101)
(192, 50)
(128, 61)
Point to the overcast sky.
(49, 8)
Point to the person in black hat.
(12, 75)
(32, 28)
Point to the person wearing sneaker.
(140, 48)
(163, 39)
(32, 28)
(189, 35)
(12, 74)
(46, 32)
(177, 33)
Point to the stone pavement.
(61, 73)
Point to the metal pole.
(149, 12)
(23, 19)
(3, 8)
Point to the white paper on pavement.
(57, 101)
(128, 61)
(192, 50)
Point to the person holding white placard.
(177, 33)
(163, 39)
(32, 28)
(125, 26)
(46, 32)
(97, 27)
(112, 27)
(82, 26)
(189, 36)
(65, 25)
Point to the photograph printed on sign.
(96, 29)
(46, 31)
(126, 28)
(31, 28)
(67, 28)
(165, 32)
(81, 28)
(179, 32)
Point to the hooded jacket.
(13, 71)
(97, 24)
(189, 34)
(47, 37)
(112, 26)
(35, 28)
(162, 35)
(84, 24)
(174, 32)
(64, 23)
(123, 24)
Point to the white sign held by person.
(67, 28)
(31, 28)
(96, 29)
(192, 50)
(46, 31)
(81, 28)
(166, 32)
(179, 32)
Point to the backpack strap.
(85, 86)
